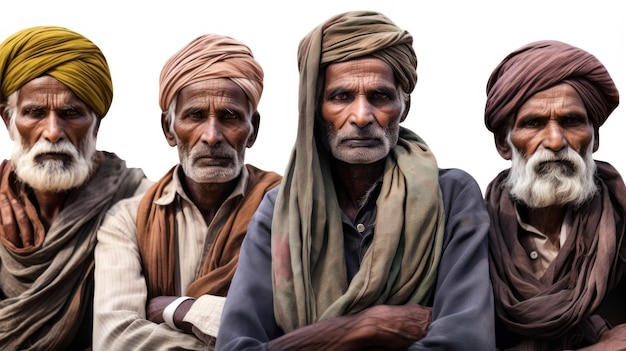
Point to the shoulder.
(460, 193)
(453, 180)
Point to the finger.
(8, 221)
(23, 222)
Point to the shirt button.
(534, 255)
(360, 227)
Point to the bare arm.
(156, 305)
(381, 327)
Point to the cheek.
(238, 137)
(526, 143)
(580, 143)
(332, 116)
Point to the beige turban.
(208, 57)
(541, 65)
(63, 54)
(356, 34)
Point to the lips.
(565, 166)
(368, 142)
(53, 156)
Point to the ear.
(6, 117)
(596, 139)
(407, 107)
(165, 125)
(503, 147)
(256, 121)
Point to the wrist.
(169, 310)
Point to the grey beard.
(552, 179)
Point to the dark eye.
(35, 112)
(531, 123)
(572, 121)
(195, 114)
(70, 113)
(381, 96)
(339, 97)
(230, 114)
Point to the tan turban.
(541, 65)
(61, 53)
(208, 57)
(355, 34)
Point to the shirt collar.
(175, 187)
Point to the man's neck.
(208, 197)
(353, 182)
(547, 220)
(49, 205)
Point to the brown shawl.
(156, 236)
(553, 309)
(46, 291)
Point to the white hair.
(51, 175)
(549, 178)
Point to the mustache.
(362, 133)
(220, 151)
(43, 147)
(544, 161)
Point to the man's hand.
(156, 305)
(15, 224)
(380, 327)
(612, 339)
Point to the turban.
(540, 65)
(211, 56)
(361, 33)
(62, 54)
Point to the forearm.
(380, 327)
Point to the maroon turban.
(540, 65)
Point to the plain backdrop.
(458, 44)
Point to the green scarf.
(308, 266)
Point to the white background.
(458, 44)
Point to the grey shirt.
(463, 312)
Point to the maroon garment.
(541, 65)
(560, 310)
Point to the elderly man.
(557, 246)
(367, 244)
(164, 261)
(55, 88)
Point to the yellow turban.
(211, 56)
(62, 54)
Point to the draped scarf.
(551, 309)
(156, 236)
(309, 275)
(309, 270)
(48, 288)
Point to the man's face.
(213, 126)
(54, 134)
(552, 142)
(361, 110)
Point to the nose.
(212, 132)
(554, 138)
(54, 128)
(361, 112)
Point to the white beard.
(539, 183)
(53, 175)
